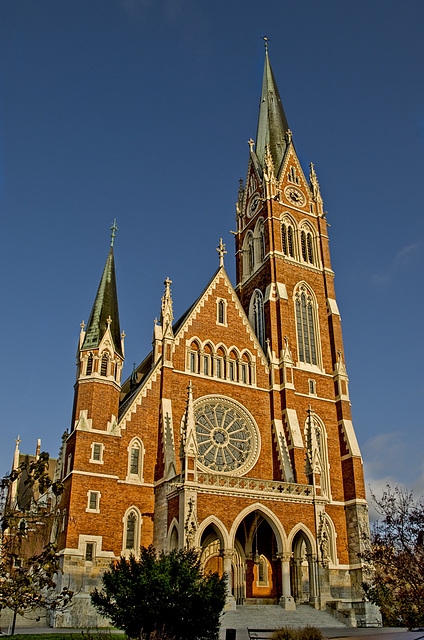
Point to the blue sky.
(141, 110)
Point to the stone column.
(286, 600)
(227, 555)
(313, 591)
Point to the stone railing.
(249, 486)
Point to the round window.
(227, 436)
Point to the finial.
(82, 325)
(167, 284)
(113, 228)
(289, 136)
(123, 335)
(221, 250)
(18, 440)
(266, 40)
(251, 144)
(108, 321)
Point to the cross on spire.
(113, 228)
(266, 40)
(221, 250)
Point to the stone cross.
(113, 228)
(221, 250)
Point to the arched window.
(306, 326)
(131, 525)
(287, 239)
(307, 245)
(193, 357)
(135, 460)
(220, 364)
(89, 367)
(256, 316)
(251, 249)
(303, 245)
(232, 367)
(131, 535)
(221, 309)
(105, 360)
(261, 242)
(206, 360)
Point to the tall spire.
(272, 123)
(105, 312)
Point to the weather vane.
(113, 228)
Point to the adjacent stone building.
(234, 435)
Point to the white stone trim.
(333, 309)
(90, 509)
(293, 427)
(350, 436)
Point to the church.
(234, 434)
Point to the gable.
(202, 323)
(292, 182)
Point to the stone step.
(275, 617)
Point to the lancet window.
(132, 525)
(307, 244)
(135, 460)
(306, 326)
(257, 317)
(287, 238)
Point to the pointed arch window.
(257, 316)
(306, 326)
(105, 360)
(89, 367)
(287, 237)
(262, 242)
(251, 249)
(307, 246)
(131, 534)
(135, 461)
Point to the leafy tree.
(165, 596)
(28, 558)
(396, 559)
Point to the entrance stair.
(255, 617)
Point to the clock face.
(253, 205)
(227, 437)
(295, 196)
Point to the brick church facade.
(234, 435)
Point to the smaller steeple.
(273, 129)
(105, 312)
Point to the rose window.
(227, 436)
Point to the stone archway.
(303, 570)
(256, 565)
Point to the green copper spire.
(272, 123)
(105, 309)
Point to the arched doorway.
(303, 570)
(256, 567)
(211, 550)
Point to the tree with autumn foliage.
(395, 557)
(28, 558)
